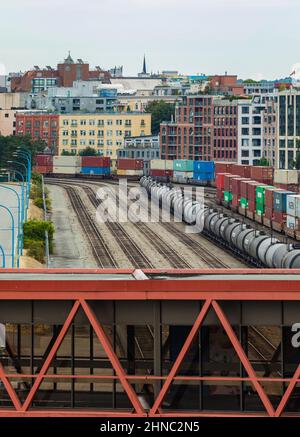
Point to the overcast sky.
(255, 38)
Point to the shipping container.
(160, 173)
(286, 177)
(235, 202)
(183, 174)
(66, 170)
(251, 194)
(227, 197)
(288, 187)
(43, 169)
(293, 205)
(161, 164)
(242, 210)
(223, 167)
(204, 167)
(279, 217)
(269, 213)
(219, 196)
(244, 188)
(293, 222)
(242, 170)
(260, 194)
(183, 165)
(280, 198)
(207, 177)
(128, 172)
(267, 221)
(67, 161)
(262, 174)
(269, 197)
(243, 203)
(95, 161)
(44, 160)
(220, 180)
(95, 170)
(236, 185)
(228, 181)
(251, 205)
(130, 164)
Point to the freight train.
(256, 247)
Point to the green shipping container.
(227, 196)
(260, 194)
(244, 202)
(260, 209)
(183, 165)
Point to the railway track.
(100, 249)
(128, 246)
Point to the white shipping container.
(134, 172)
(169, 164)
(291, 222)
(158, 164)
(285, 177)
(66, 169)
(183, 174)
(293, 205)
(67, 161)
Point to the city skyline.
(200, 37)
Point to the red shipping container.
(220, 180)
(244, 188)
(219, 196)
(160, 173)
(130, 164)
(44, 160)
(269, 213)
(223, 167)
(279, 217)
(269, 197)
(288, 187)
(43, 169)
(95, 161)
(251, 205)
(235, 202)
(252, 190)
(262, 174)
(236, 185)
(242, 170)
(228, 181)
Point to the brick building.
(190, 136)
(226, 84)
(64, 75)
(39, 126)
(225, 140)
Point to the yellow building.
(105, 132)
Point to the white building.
(251, 128)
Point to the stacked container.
(223, 167)
(95, 165)
(161, 168)
(228, 178)
(220, 187)
(44, 164)
(242, 170)
(280, 205)
(286, 180)
(251, 207)
(236, 192)
(244, 196)
(130, 167)
(293, 215)
(269, 206)
(183, 170)
(204, 171)
(67, 164)
(262, 174)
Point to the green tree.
(68, 153)
(160, 111)
(264, 162)
(88, 151)
(9, 145)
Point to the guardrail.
(47, 252)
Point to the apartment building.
(143, 147)
(225, 138)
(40, 126)
(190, 136)
(288, 126)
(105, 132)
(270, 131)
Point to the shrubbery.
(34, 238)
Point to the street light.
(20, 239)
(3, 256)
(13, 170)
(28, 183)
(21, 153)
(12, 234)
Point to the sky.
(256, 38)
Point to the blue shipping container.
(95, 170)
(204, 167)
(280, 198)
(203, 176)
